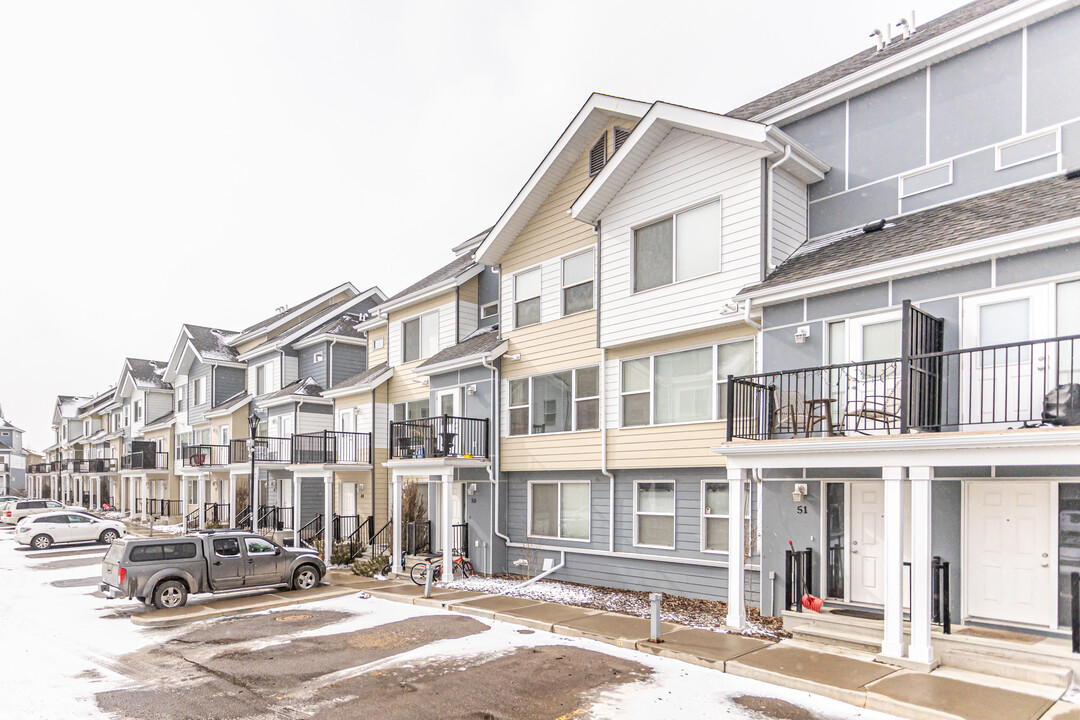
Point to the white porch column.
(185, 490)
(254, 501)
(232, 499)
(200, 498)
(396, 528)
(296, 484)
(144, 487)
(447, 518)
(736, 605)
(892, 645)
(95, 491)
(123, 495)
(328, 516)
(921, 649)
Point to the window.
(559, 510)
(556, 402)
(715, 512)
(527, 298)
(675, 388)
(262, 379)
(86, 427)
(681, 247)
(227, 547)
(420, 337)
(258, 546)
(489, 311)
(635, 392)
(621, 134)
(167, 551)
(377, 344)
(412, 410)
(179, 399)
(735, 358)
(577, 283)
(223, 433)
(318, 357)
(654, 514)
(598, 155)
(138, 411)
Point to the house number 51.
(800, 509)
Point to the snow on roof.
(211, 343)
(148, 373)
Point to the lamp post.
(253, 426)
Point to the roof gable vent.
(598, 155)
(620, 137)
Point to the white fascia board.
(1026, 240)
(363, 387)
(172, 369)
(971, 34)
(286, 316)
(432, 290)
(230, 408)
(464, 362)
(305, 326)
(328, 337)
(810, 167)
(296, 399)
(510, 223)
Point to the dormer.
(204, 371)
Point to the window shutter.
(620, 137)
(598, 155)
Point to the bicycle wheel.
(466, 569)
(419, 573)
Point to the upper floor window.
(556, 402)
(412, 410)
(735, 359)
(577, 283)
(262, 379)
(420, 337)
(527, 298)
(489, 311)
(670, 388)
(681, 247)
(86, 427)
(138, 411)
(377, 343)
(598, 155)
(198, 391)
(179, 398)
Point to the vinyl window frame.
(489, 310)
(538, 269)
(651, 391)
(558, 510)
(430, 316)
(573, 402)
(705, 517)
(563, 287)
(674, 217)
(721, 379)
(318, 357)
(673, 514)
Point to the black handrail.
(798, 577)
(350, 529)
(145, 461)
(274, 518)
(332, 447)
(461, 539)
(243, 517)
(205, 455)
(441, 436)
(311, 532)
(382, 540)
(191, 518)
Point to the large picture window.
(559, 510)
(412, 410)
(556, 402)
(420, 337)
(681, 247)
(577, 283)
(654, 514)
(736, 358)
(527, 298)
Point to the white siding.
(550, 282)
(468, 317)
(447, 325)
(393, 344)
(314, 422)
(158, 404)
(273, 375)
(789, 215)
(504, 408)
(685, 169)
(611, 398)
(506, 302)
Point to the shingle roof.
(451, 270)
(230, 400)
(297, 388)
(164, 418)
(270, 320)
(210, 343)
(363, 377)
(69, 404)
(480, 342)
(148, 373)
(868, 57)
(983, 216)
(342, 326)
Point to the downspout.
(373, 420)
(769, 239)
(493, 466)
(330, 364)
(746, 316)
(560, 566)
(603, 407)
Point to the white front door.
(1006, 381)
(1009, 543)
(348, 498)
(449, 403)
(867, 547)
(288, 425)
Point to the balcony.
(439, 437)
(996, 387)
(267, 450)
(93, 465)
(332, 448)
(205, 455)
(145, 460)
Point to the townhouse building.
(910, 428)
(146, 485)
(14, 458)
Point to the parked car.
(15, 511)
(4, 499)
(42, 531)
(164, 571)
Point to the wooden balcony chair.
(882, 410)
(790, 413)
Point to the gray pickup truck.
(163, 570)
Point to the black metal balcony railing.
(145, 461)
(267, 449)
(332, 447)
(162, 507)
(93, 465)
(205, 455)
(1019, 384)
(438, 437)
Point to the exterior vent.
(598, 155)
(874, 226)
(1073, 174)
(620, 137)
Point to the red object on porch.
(812, 603)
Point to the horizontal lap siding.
(346, 361)
(564, 343)
(376, 357)
(789, 215)
(569, 451)
(686, 169)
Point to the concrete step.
(835, 636)
(1013, 669)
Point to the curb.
(256, 603)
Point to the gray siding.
(308, 368)
(347, 360)
(228, 382)
(312, 498)
(197, 412)
(487, 292)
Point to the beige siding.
(567, 342)
(563, 451)
(377, 356)
(445, 303)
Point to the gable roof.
(661, 119)
(268, 323)
(475, 347)
(993, 214)
(211, 343)
(67, 406)
(928, 43)
(148, 374)
(574, 140)
(304, 389)
(453, 273)
(160, 422)
(372, 376)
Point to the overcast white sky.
(206, 162)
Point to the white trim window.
(420, 337)
(411, 410)
(654, 514)
(262, 379)
(560, 510)
(223, 435)
(527, 288)
(138, 411)
(564, 401)
(716, 514)
(732, 358)
(198, 392)
(179, 400)
(489, 310)
(670, 388)
(577, 282)
(680, 247)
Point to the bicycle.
(460, 565)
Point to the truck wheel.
(305, 577)
(170, 594)
(108, 537)
(41, 542)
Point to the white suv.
(41, 531)
(13, 512)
